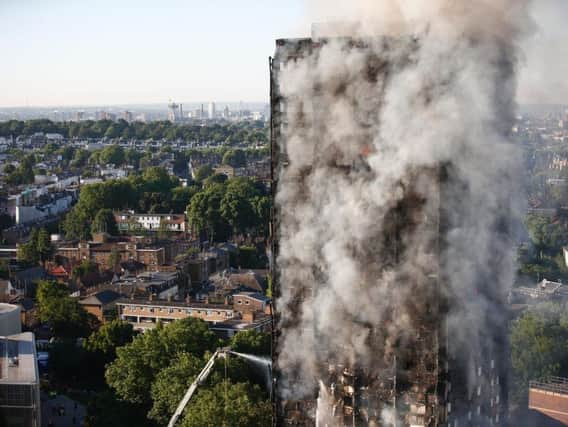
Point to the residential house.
(100, 304)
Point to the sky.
(106, 52)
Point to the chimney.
(226, 300)
(151, 297)
(188, 298)
(206, 300)
(169, 298)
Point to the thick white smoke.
(368, 131)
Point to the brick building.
(103, 254)
(550, 398)
(224, 319)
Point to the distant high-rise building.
(212, 112)
(127, 116)
(226, 112)
(173, 112)
(79, 115)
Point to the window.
(239, 301)
(479, 390)
(479, 371)
(247, 302)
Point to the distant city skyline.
(81, 54)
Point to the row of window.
(178, 310)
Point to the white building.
(212, 112)
(130, 221)
(19, 381)
(26, 214)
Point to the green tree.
(104, 222)
(235, 158)
(133, 157)
(547, 236)
(539, 348)
(106, 409)
(38, 249)
(76, 225)
(203, 172)
(229, 404)
(132, 373)
(171, 384)
(63, 313)
(108, 337)
(252, 342)
(113, 154)
(236, 207)
(204, 213)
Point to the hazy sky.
(102, 52)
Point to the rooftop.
(18, 359)
(553, 384)
(6, 308)
(181, 304)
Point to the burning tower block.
(376, 325)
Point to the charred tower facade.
(368, 328)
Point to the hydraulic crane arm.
(198, 381)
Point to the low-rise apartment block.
(224, 319)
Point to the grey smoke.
(448, 98)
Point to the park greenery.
(228, 134)
(218, 207)
(236, 206)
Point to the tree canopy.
(236, 206)
(229, 404)
(539, 347)
(132, 373)
(38, 249)
(61, 312)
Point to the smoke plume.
(388, 148)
